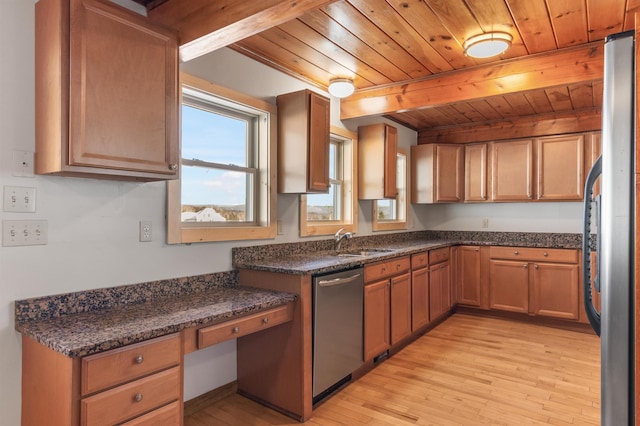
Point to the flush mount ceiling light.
(487, 45)
(341, 87)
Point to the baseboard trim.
(199, 402)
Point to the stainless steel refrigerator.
(609, 232)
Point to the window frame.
(349, 185)
(401, 203)
(265, 226)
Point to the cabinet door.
(560, 168)
(377, 319)
(593, 150)
(509, 286)
(400, 307)
(555, 288)
(419, 298)
(390, 161)
(318, 143)
(469, 277)
(475, 172)
(449, 173)
(512, 170)
(377, 161)
(122, 104)
(439, 291)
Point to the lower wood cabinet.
(468, 291)
(387, 305)
(377, 318)
(542, 282)
(419, 296)
(439, 290)
(509, 286)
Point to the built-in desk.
(122, 363)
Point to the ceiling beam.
(560, 67)
(521, 127)
(205, 25)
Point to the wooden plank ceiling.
(406, 56)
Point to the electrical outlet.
(145, 230)
(485, 223)
(23, 163)
(19, 199)
(280, 228)
(24, 232)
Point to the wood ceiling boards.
(406, 57)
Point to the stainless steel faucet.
(339, 237)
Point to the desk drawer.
(169, 415)
(381, 270)
(535, 254)
(232, 329)
(132, 399)
(438, 255)
(106, 369)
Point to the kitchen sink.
(363, 252)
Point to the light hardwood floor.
(467, 371)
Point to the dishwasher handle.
(339, 281)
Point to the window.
(323, 214)
(224, 191)
(390, 214)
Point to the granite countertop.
(325, 261)
(85, 333)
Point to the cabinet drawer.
(386, 269)
(169, 415)
(419, 260)
(132, 399)
(535, 254)
(120, 365)
(439, 255)
(232, 329)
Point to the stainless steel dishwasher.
(337, 329)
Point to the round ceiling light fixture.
(487, 45)
(341, 87)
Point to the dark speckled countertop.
(93, 331)
(317, 257)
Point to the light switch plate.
(19, 199)
(24, 232)
(23, 163)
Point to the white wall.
(93, 224)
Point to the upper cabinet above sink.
(106, 93)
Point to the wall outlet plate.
(145, 231)
(23, 163)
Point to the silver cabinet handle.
(535, 266)
(173, 166)
(236, 329)
(139, 359)
(545, 254)
(516, 252)
(265, 320)
(338, 281)
(525, 266)
(138, 397)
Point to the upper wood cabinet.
(560, 167)
(511, 177)
(592, 151)
(548, 169)
(437, 172)
(106, 93)
(303, 142)
(377, 161)
(475, 172)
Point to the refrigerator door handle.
(592, 314)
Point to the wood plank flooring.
(467, 371)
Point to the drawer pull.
(477, 249)
(545, 254)
(525, 266)
(139, 359)
(398, 266)
(265, 320)
(384, 269)
(236, 329)
(516, 252)
(535, 266)
(138, 397)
